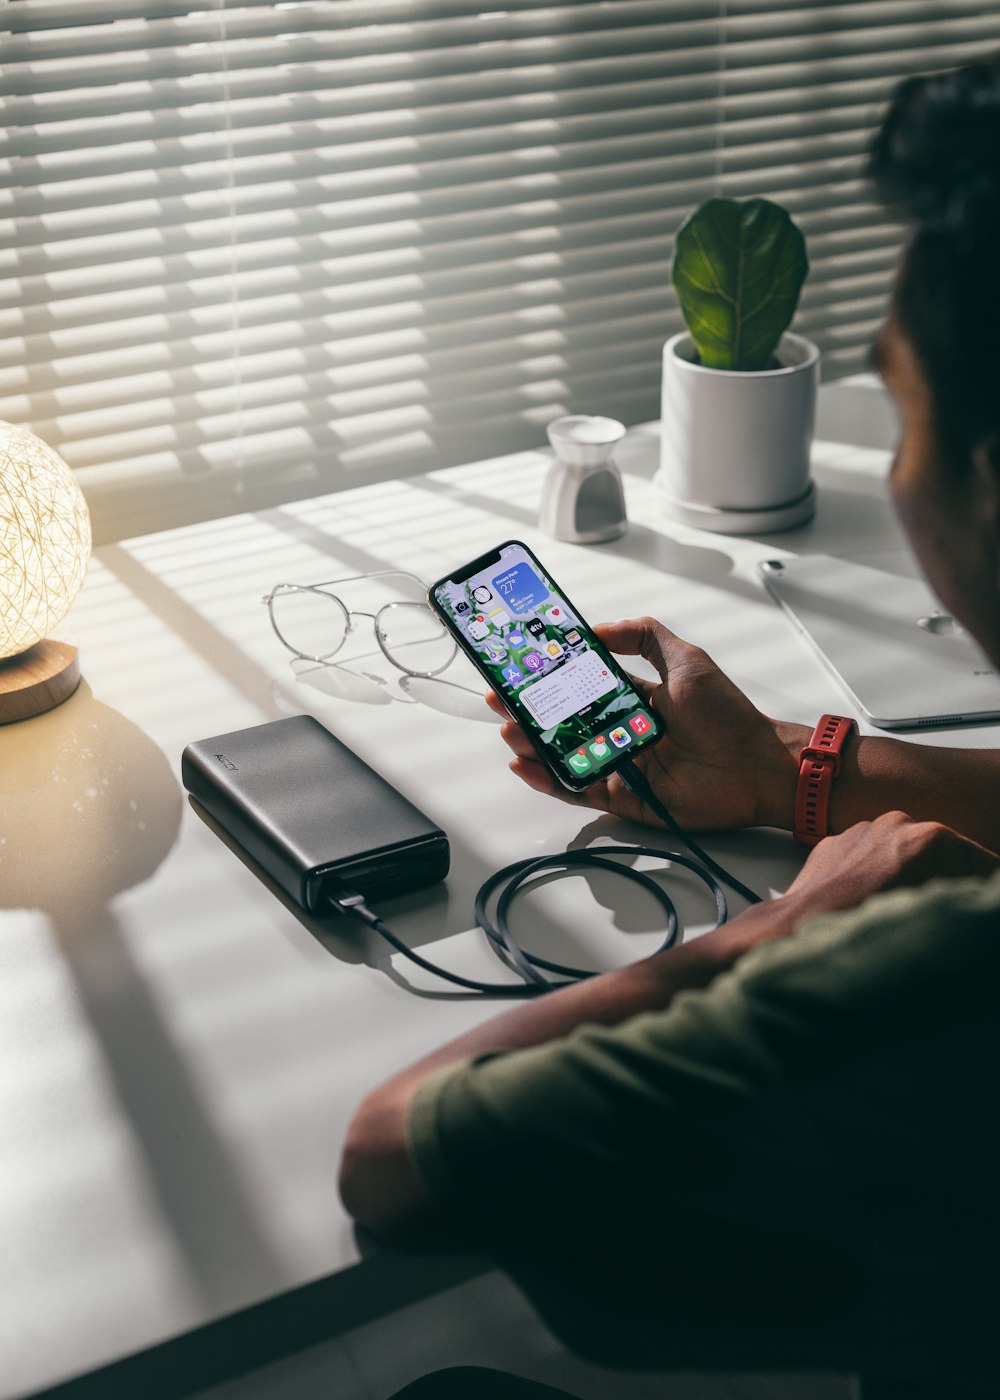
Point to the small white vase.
(734, 447)
(582, 496)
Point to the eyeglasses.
(314, 623)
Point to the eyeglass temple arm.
(348, 578)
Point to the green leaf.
(738, 270)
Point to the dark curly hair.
(936, 163)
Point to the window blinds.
(254, 251)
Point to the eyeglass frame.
(349, 613)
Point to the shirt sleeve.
(771, 1112)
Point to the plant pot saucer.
(741, 522)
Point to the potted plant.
(739, 391)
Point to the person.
(776, 1145)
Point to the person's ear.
(986, 463)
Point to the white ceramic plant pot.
(734, 447)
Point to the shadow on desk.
(350, 942)
(89, 809)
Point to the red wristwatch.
(819, 764)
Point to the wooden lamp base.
(37, 680)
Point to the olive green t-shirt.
(798, 1165)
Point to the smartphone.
(577, 706)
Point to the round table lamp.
(44, 548)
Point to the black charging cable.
(635, 779)
(514, 878)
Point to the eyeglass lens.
(309, 621)
(414, 638)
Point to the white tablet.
(902, 660)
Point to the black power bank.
(312, 813)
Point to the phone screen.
(581, 711)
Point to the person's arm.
(957, 787)
(723, 764)
(378, 1183)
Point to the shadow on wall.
(857, 410)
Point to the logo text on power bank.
(226, 762)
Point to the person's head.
(936, 162)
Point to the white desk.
(180, 1052)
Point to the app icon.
(533, 660)
(620, 737)
(536, 626)
(579, 762)
(482, 594)
(640, 724)
(554, 649)
(461, 606)
(599, 748)
(573, 637)
(495, 650)
(512, 674)
(515, 639)
(478, 627)
(499, 616)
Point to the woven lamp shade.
(44, 549)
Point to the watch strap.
(819, 764)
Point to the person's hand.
(721, 763)
(888, 853)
